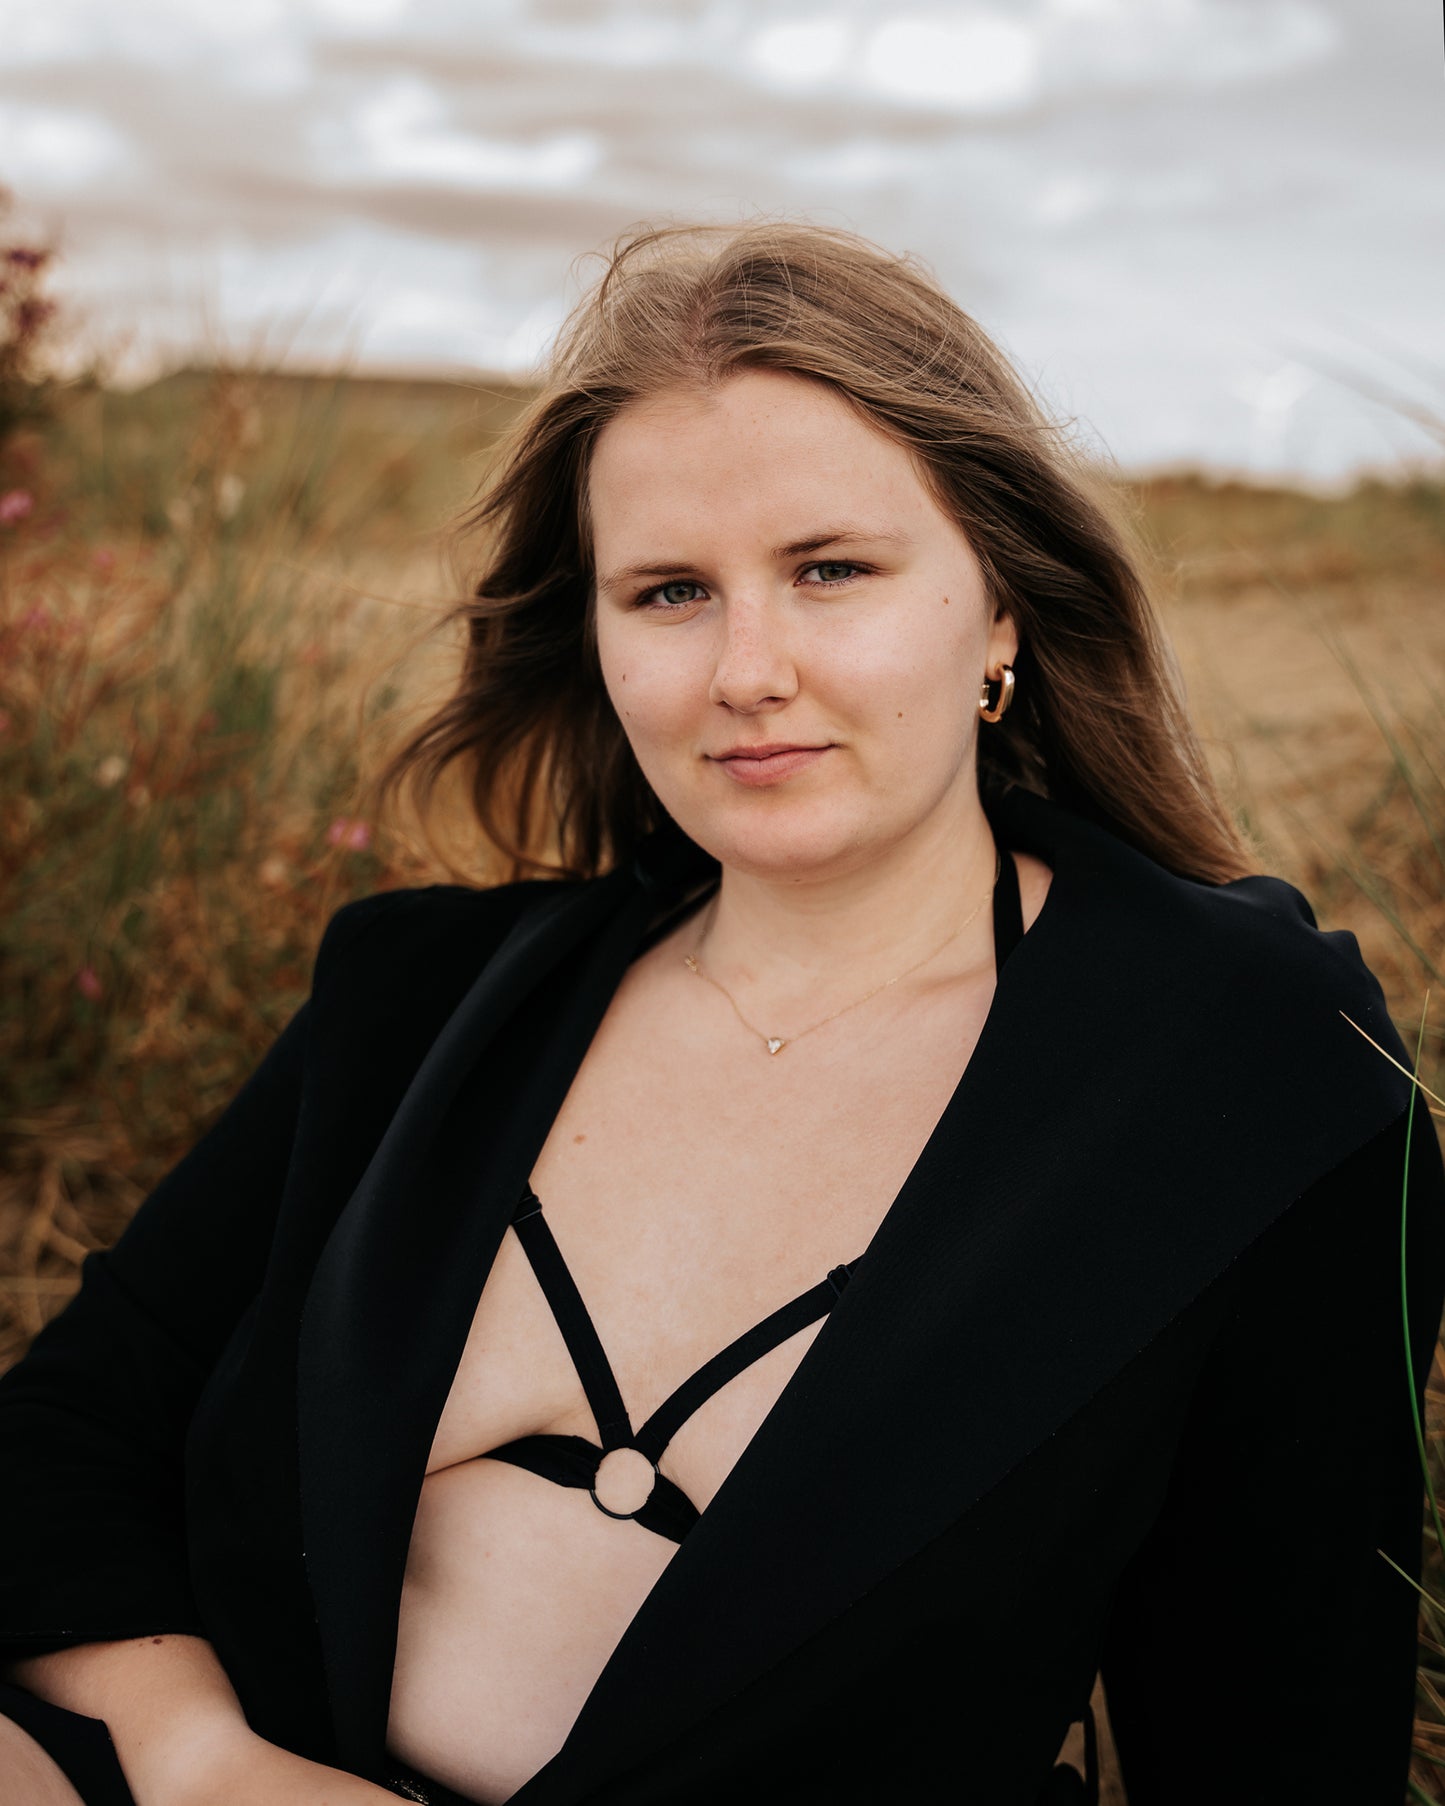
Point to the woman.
(941, 1062)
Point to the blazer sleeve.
(1258, 1647)
(93, 1419)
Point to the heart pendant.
(775, 1042)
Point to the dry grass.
(213, 599)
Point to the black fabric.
(593, 1368)
(574, 1461)
(1008, 910)
(1119, 1380)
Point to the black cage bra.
(574, 1461)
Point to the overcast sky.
(1194, 224)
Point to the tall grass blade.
(1394, 1062)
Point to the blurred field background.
(219, 599)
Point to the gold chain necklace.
(776, 1043)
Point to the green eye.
(835, 571)
(645, 599)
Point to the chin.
(784, 843)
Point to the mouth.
(761, 765)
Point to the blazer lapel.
(392, 1295)
(1128, 1122)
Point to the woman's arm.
(178, 1729)
(93, 1419)
(1258, 1647)
(171, 1713)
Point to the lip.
(766, 748)
(757, 766)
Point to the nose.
(754, 665)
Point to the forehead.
(762, 445)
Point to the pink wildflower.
(15, 504)
(87, 982)
(350, 832)
(103, 560)
(39, 617)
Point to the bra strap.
(1008, 910)
(614, 1427)
(774, 1329)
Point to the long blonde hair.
(1098, 720)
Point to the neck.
(796, 945)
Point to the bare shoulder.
(1034, 880)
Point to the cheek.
(619, 663)
(653, 700)
(909, 669)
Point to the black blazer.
(1120, 1380)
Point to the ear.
(1003, 639)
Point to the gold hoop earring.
(1005, 681)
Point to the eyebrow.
(795, 548)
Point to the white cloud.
(980, 64)
(942, 58)
(54, 150)
(977, 59)
(801, 53)
(524, 345)
(401, 130)
(1189, 43)
(1064, 199)
(358, 16)
(861, 163)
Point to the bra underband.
(573, 1460)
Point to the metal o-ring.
(656, 1476)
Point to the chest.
(694, 1183)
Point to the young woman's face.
(799, 587)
